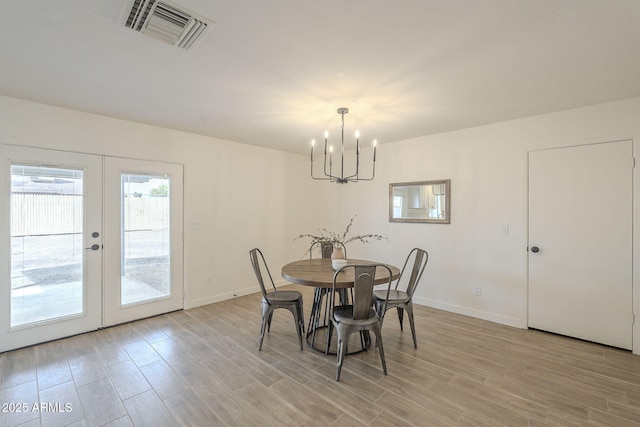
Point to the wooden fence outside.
(35, 214)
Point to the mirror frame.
(447, 201)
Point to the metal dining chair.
(358, 316)
(274, 299)
(403, 300)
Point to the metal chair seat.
(283, 296)
(395, 296)
(344, 314)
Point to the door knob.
(535, 249)
(94, 247)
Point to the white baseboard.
(220, 297)
(479, 314)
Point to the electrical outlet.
(477, 291)
(208, 281)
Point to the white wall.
(487, 168)
(242, 196)
(246, 196)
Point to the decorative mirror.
(423, 201)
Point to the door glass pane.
(145, 272)
(46, 244)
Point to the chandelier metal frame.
(342, 179)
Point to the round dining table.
(318, 273)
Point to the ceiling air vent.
(166, 21)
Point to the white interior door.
(580, 242)
(51, 213)
(143, 239)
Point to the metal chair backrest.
(257, 263)
(363, 283)
(420, 259)
(326, 249)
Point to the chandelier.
(328, 172)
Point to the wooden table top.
(318, 272)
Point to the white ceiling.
(273, 73)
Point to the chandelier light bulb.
(313, 142)
(357, 134)
(326, 134)
(375, 150)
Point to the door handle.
(535, 249)
(94, 247)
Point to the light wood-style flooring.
(201, 367)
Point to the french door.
(51, 211)
(143, 248)
(85, 241)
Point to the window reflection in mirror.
(423, 201)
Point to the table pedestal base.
(319, 321)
